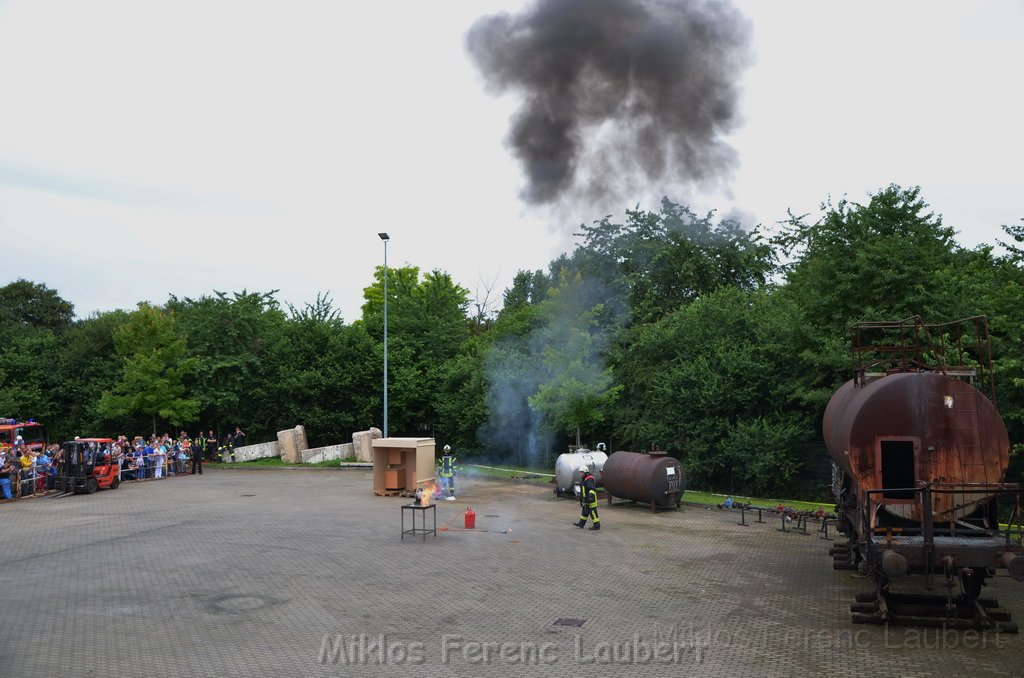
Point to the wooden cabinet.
(394, 478)
(400, 465)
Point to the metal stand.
(824, 529)
(423, 520)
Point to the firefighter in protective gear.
(227, 450)
(588, 500)
(446, 472)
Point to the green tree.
(27, 380)
(461, 397)
(156, 364)
(442, 307)
(711, 383)
(236, 339)
(403, 317)
(326, 376)
(662, 260)
(28, 306)
(876, 261)
(575, 388)
(427, 328)
(981, 283)
(527, 288)
(87, 367)
(1016, 232)
(546, 374)
(33, 318)
(884, 260)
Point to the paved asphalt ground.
(304, 573)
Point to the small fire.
(426, 493)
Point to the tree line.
(668, 329)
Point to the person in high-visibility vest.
(446, 472)
(588, 500)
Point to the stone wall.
(292, 447)
(318, 454)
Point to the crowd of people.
(25, 471)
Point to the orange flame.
(427, 494)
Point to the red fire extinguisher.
(470, 519)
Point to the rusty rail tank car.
(920, 457)
(652, 478)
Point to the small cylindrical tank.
(567, 469)
(654, 478)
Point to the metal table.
(413, 508)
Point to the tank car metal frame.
(950, 529)
(964, 553)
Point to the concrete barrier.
(318, 454)
(292, 447)
(292, 443)
(252, 452)
(362, 443)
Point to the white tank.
(567, 470)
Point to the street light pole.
(385, 238)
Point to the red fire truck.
(31, 433)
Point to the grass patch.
(712, 499)
(511, 471)
(506, 472)
(691, 496)
(266, 461)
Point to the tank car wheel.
(91, 486)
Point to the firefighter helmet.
(584, 469)
(447, 448)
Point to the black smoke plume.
(618, 96)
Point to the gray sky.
(156, 148)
